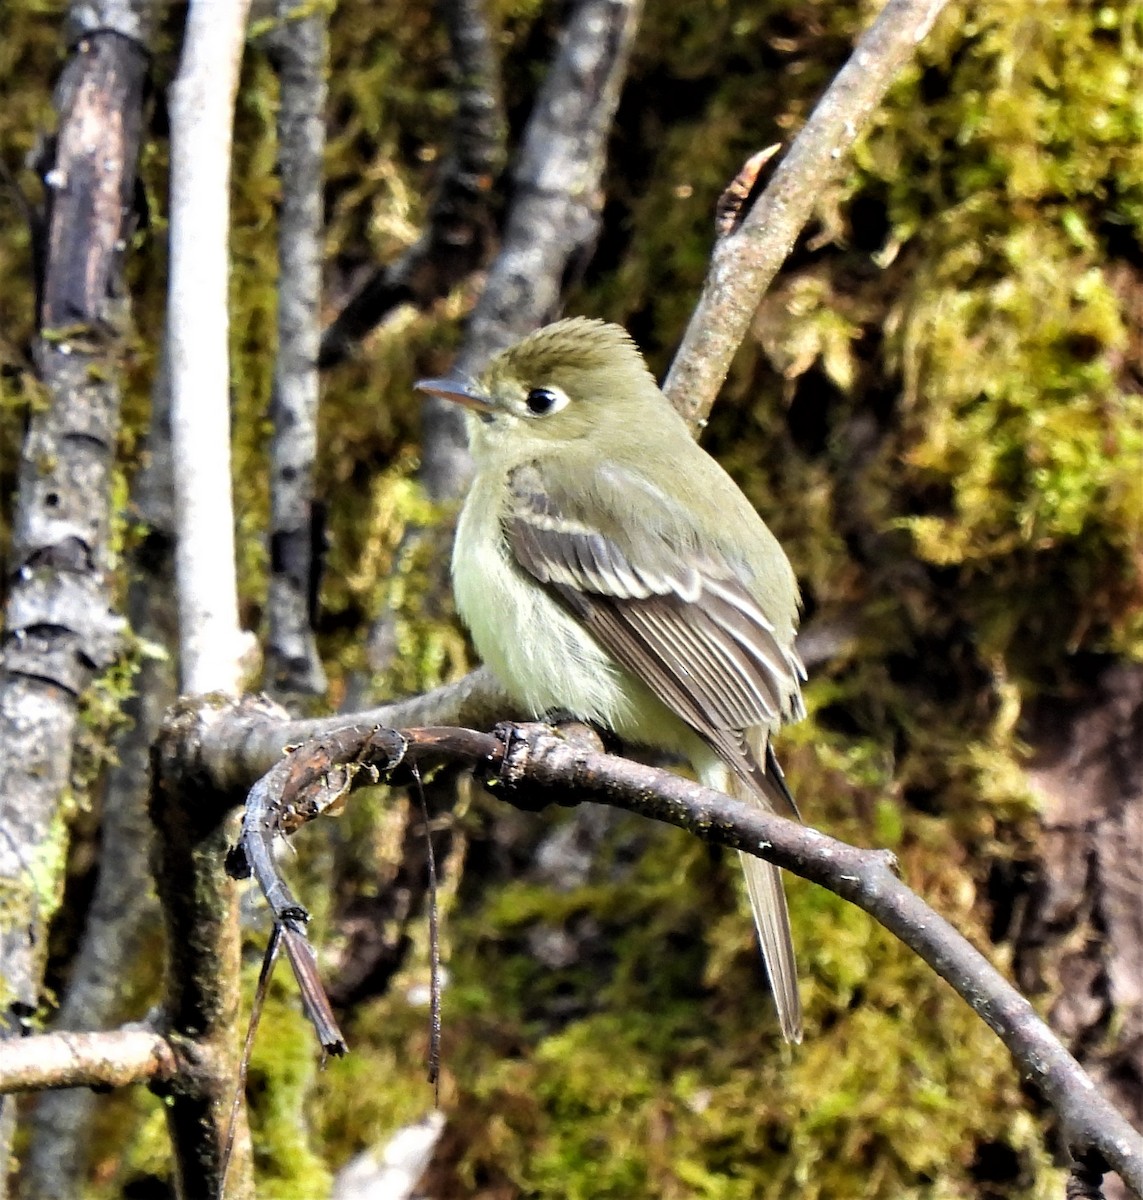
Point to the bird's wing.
(675, 615)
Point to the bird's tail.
(772, 920)
(767, 897)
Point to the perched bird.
(608, 567)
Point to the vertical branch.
(461, 229)
(61, 1123)
(200, 909)
(198, 900)
(202, 112)
(299, 49)
(59, 626)
(554, 217)
(744, 262)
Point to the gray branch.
(73, 1060)
(461, 229)
(122, 907)
(299, 49)
(532, 766)
(59, 625)
(745, 262)
(553, 221)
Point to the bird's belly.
(544, 658)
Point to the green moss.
(935, 411)
(282, 1070)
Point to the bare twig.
(744, 263)
(202, 111)
(460, 233)
(72, 1060)
(298, 47)
(535, 759)
(531, 765)
(261, 992)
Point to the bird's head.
(579, 378)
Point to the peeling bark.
(122, 907)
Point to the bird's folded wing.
(677, 617)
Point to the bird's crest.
(577, 343)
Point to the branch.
(535, 759)
(553, 220)
(60, 628)
(531, 765)
(744, 262)
(201, 1007)
(298, 47)
(201, 102)
(74, 1060)
(123, 907)
(461, 227)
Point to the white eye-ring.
(543, 401)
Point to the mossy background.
(938, 411)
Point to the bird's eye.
(543, 401)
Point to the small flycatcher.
(608, 567)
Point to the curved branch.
(532, 765)
(537, 759)
(71, 1060)
(744, 262)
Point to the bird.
(609, 569)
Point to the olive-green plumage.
(608, 567)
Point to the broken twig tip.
(729, 211)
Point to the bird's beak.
(459, 391)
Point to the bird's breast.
(544, 658)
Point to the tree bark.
(298, 47)
(60, 629)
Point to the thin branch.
(201, 102)
(531, 766)
(536, 760)
(74, 1060)
(299, 50)
(553, 221)
(744, 263)
(461, 227)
